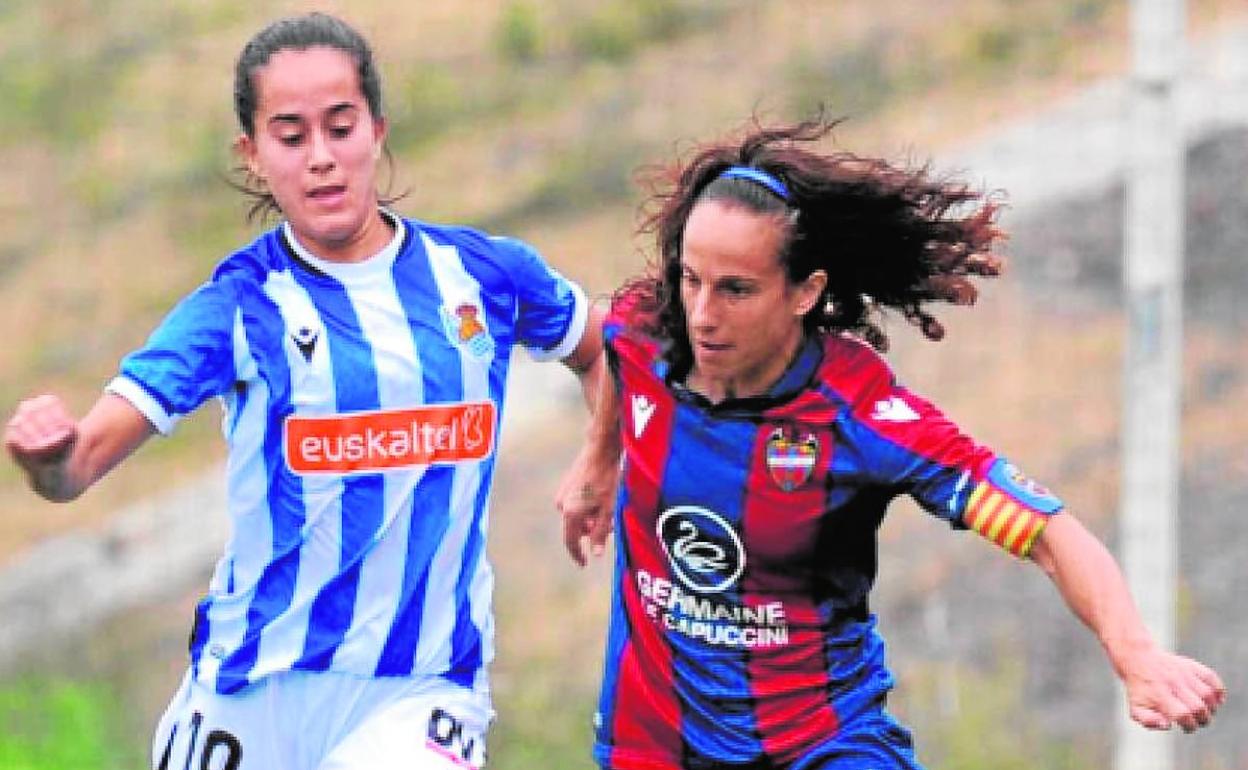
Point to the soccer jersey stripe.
(638, 706)
(221, 615)
(385, 325)
(643, 717)
(711, 477)
(472, 637)
(858, 677)
(275, 586)
(418, 533)
(423, 531)
(789, 683)
(380, 563)
(458, 555)
(354, 379)
(617, 642)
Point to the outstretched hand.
(1165, 689)
(585, 498)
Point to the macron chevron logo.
(643, 410)
(893, 409)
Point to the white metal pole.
(1152, 381)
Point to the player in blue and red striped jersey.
(763, 438)
(361, 359)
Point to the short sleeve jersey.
(746, 548)
(361, 409)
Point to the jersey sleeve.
(623, 332)
(185, 361)
(916, 449)
(551, 310)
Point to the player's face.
(743, 315)
(316, 147)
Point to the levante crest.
(791, 459)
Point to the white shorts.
(325, 721)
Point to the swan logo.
(704, 550)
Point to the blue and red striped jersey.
(746, 548)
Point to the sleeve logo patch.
(1011, 480)
(893, 409)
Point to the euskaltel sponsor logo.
(397, 438)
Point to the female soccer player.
(361, 359)
(763, 438)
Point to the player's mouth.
(712, 348)
(328, 194)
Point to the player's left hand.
(1165, 689)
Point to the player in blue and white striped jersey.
(361, 359)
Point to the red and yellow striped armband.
(1009, 509)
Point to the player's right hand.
(41, 433)
(585, 498)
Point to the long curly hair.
(889, 237)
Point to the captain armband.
(1009, 509)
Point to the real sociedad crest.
(465, 328)
(791, 460)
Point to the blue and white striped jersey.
(362, 404)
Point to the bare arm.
(587, 492)
(586, 360)
(1162, 688)
(63, 457)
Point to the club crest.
(790, 459)
(465, 328)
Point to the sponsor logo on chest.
(365, 442)
(704, 549)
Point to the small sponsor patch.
(449, 738)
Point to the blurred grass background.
(529, 117)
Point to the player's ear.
(381, 129)
(245, 150)
(809, 291)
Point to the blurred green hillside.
(529, 117)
